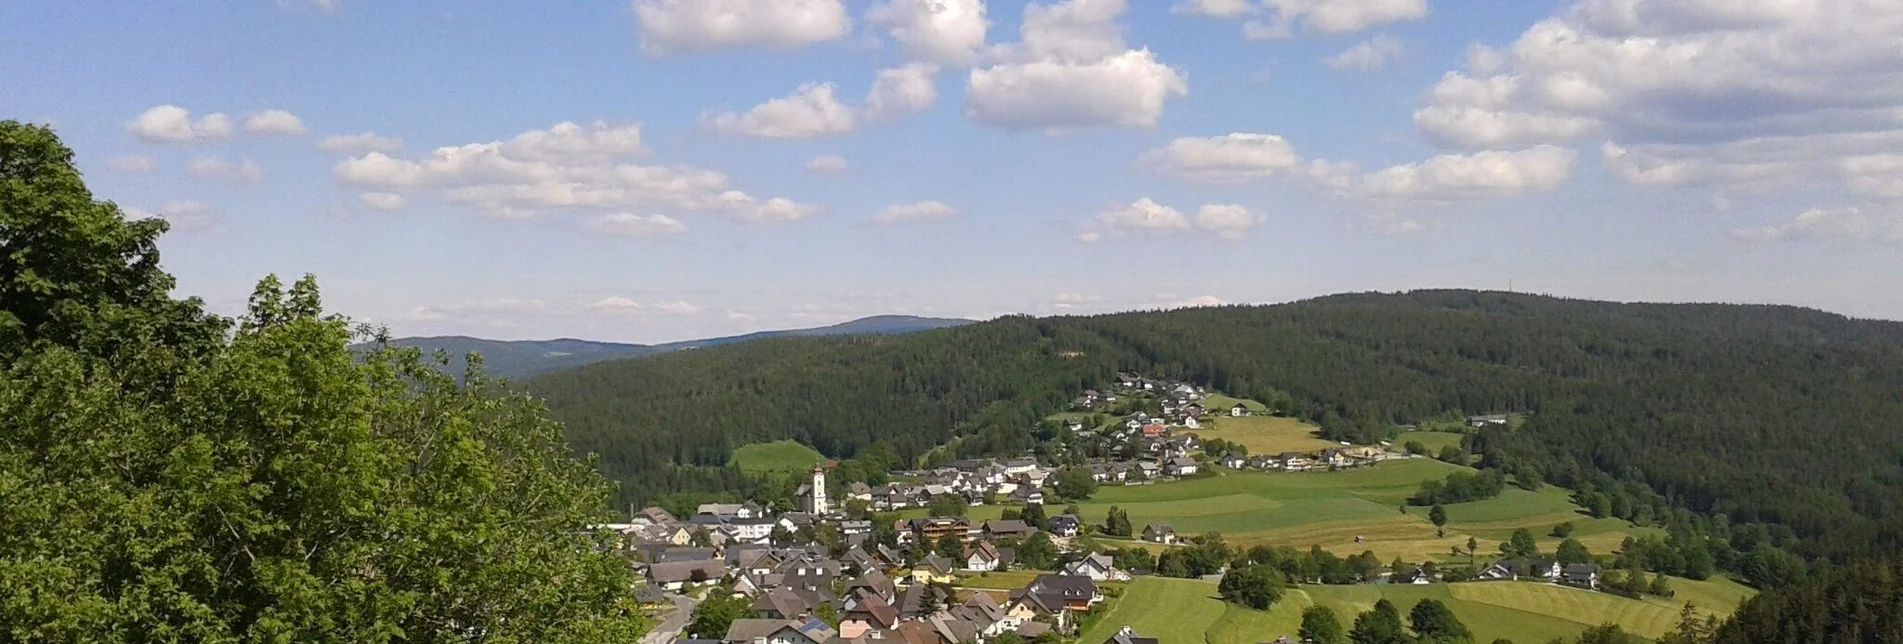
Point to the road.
(670, 628)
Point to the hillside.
(1779, 415)
(516, 359)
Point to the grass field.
(1266, 434)
(1433, 441)
(1185, 611)
(774, 457)
(1006, 580)
(1218, 405)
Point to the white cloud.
(1195, 302)
(1214, 8)
(1492, 173)
(1089, 237)
(278, 122)
(1074, 30)
(532, 173)
(921, 211)
(828, 165)
(360, 143)
(947, 32)
(130, 164)
(385, 201)
(1229, 221)
(632, 225)
(1127, 89)
(901, 90)
(701, 25)
(1855, 223)
(184, 216)
(1229, 158)
(811, 112)
(1076, 298)
(678, 307)
(326, 6)
(1144, 214)
(615, 303)
(221, 168)
(173, 124)
(1875, 175)
(1693, 91)
(1369, 55)
(1332, 16)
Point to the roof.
(1159, 528)
(684, 571)
(875, 610)
(1065, 520)
(1008, 526)
(1127, 636)
(1183, 461)
(747, 630)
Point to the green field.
(1433, 441)
(1266, 434)
(776, 456)
(1218, 405)
(1185, 611)
(1006, 580)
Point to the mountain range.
(517, 359)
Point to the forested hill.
(1762, 413)
(514, 359)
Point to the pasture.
(1433, 441)
(777, 456)
(1266, 434)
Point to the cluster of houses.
(1583, 575)
(1016, 481)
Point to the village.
(839, 567)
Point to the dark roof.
(684, 571)
(1008, 526)
(874, 609)
(1582, 569)
(1158, 528)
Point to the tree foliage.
(1320, 625)
(1257, 587)
(167, 481)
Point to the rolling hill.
(1763, 414)
(516, 359)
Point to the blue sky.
(652, 170)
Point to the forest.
(1782, 418)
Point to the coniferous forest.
(1768, 425)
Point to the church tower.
(817, 502)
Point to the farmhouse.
(986, 557)
(1581, 575)
(1008, 529)
(1238, 411)
(1065, 525)
(1159, 533)
(1546, 569)
(779, 631)
(1127, 636)
(1180, 466)
(1487, 420)
(1096, 566)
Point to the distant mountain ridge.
(516, 359)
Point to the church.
(812, 495)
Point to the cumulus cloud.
(1332, 16)
(1854, 223)
(1452, 177)
(810, 112)
(669, 26)
(901, 90)
(1144, 214)
(947, 32)
(1068, 300)
(385, 201)
(678, 307)
(1711, 91)
(184, 216)
(1214, 8)
(174, 124)
(1128, 89)
(1369, 55)
(566, 167)
(921, 211)
(224, 169)
(1228, 221)
(615, 303)
(1194, 302)
(360, 143)
(130, 164)
(1879, 175)
(828, 165)
(1230, 158)
(632, 225)
(1071, 69)
(274, 122)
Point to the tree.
(826, 612)
(171, 476)
(1608, 634)
(1117, 523)
(1007, 637)
(1660, 587)
(1691, 629)
(1434, 622)
(716, 614)
(948, 505)
(1563, 530)
(1033, 515)
(1453, 454)
(1256, 587)
(1037, 552)
(1438, 515)
(1520, 545)
(1075, 483)
(780, 536)
(950, 547)
(1321, 626)
(1571, 551)
(1381, 625)
(1416, 448)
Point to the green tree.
(717, 612)
(1438, 515)
(1381, 625)
(948, 505)
(1075, 483)
(1571, 551)
(1691, 628)
(1321, 626)
(1660, 587)
(1257, 587)
(1608, 634)
(1563, 530)
(1033, 514)
(1037, 552)
(1433, 621)
(1007, 637)
(950, 547)
(826, 612)
(1521, 544)
(167, 480)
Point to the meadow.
(1266, 434)
(777, 456)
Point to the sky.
(657, 170)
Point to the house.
(1159, 533)
(781, 603)
(1008, 529)
(850, 528)
(1153, 430)
(1262, 462)
(1180, 466)
(873, 582)
(930, 530)
(1234, 461)
(1074, 426)
(778, 631)
(1055, 597)
(1127, 636)
(1149, 469)
(1487, 420)
(677, 575)
(654, 516)
(1096, 566)
(920, 601)
(1581, 575)
(1511, 569)
(1189, 421)
(1416, 577)
(869, 612)
(934, 569)
(1065, 525)
(986, 556)
(1335, 458)
(1296, 461)
(1027, 495)
(1238, 411)
(858, 492)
